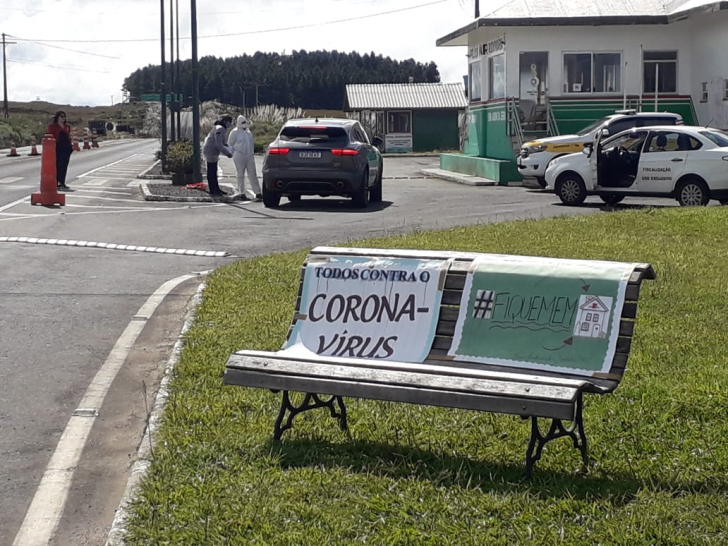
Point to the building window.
(399, 122)
(607, 72)
(497, 76)
(475, 79)
(725, 89)
(592, 72)
(704, 92)
(660, 67)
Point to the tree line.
(314, 80)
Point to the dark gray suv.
(323, 157)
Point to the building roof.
(412, 96)
(557, 13)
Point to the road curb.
(145, 174)
(144, 456)
(466, 179)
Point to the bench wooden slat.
(556, 409)
(624, 344)
(632, 293)
(626, 328)
(451, 297)
(386, 377)
(449, 314)
(459, 369)
(442, 343)
(629, 310)
(394, 253)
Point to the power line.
(283, 29)
(72, 50)
(61, 67)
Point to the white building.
(549, 67)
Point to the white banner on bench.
(381, 308)
(541, 313)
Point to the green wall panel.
(435, 130)
(573, 115)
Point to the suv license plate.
(309, 155)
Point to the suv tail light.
(345, 151)
(278, 151)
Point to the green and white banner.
(380, 308)
(541, 313)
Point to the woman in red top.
(61, 131)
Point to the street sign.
(155, 97)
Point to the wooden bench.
(442, 377)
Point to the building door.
(534, 72)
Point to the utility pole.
(6, 113)
(477, 8)
(179, 81)
(164, 93)
(172, 90)
(256, 87)
(195, 96)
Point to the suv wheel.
(271, 200)
(361, 197)
(375, 194)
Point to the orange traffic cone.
(94, 141)
(48, 194)
(33, 150)
(76, 148)
(13, 151)
(85, 140)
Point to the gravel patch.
(161, 191)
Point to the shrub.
(179, 157)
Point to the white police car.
(689, 164)
(536, 155)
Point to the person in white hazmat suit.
(241, 142)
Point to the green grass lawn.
(422, 475)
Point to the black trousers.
(212, 177)
(62, 160)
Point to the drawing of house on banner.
(593, 317)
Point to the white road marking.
(133, 184)
(107, 191)
(96, 197)
(50, 498)
(96, 182)
(11, 205)
(10, 179)
(114, 246)
(86, 174)
(116, 210)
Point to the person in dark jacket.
(215, 144)
(61, 131)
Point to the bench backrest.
(612, 327)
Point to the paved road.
(64, 307)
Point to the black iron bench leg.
(538, 441)
(311, 401)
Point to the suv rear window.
(313, 133)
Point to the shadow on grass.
(398, 461)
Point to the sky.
(78, 52)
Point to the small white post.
(657, 83)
